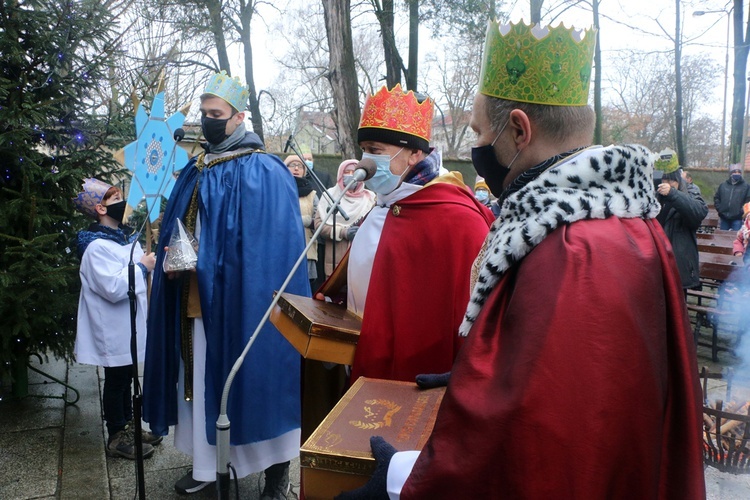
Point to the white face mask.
(384, 181)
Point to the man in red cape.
(578, 377)
(408, 269)
(410, 263)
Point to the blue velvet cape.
(251, 236)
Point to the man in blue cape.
(242, 206)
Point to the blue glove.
(376, 488)
(351, 231)
(432, 380)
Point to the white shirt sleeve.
(399, 469)
(104, 269)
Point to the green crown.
(539, 65)
(667, 161)
(228, 88)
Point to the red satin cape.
(577, 381)
(419, 287)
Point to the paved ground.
(50, 450)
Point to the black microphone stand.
(292, 143)
(137, 395)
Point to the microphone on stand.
(179, 135)
(289, 143)
(365, 170)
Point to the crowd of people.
(550, 297)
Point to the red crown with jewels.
(398, 111)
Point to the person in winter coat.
(743, 235)
(729, 198)
(680, 216)
(308, 205)
(482, 194)
(356, 203)
(103, 331)
(691, 186)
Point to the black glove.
(432, 380)
(376, 488)
(351, 231)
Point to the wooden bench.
(714, 248)
(717, 266)
(710, 222)
(709, 317)
(700, 295)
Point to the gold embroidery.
(379, 413)
(476, 266)
(396, 210)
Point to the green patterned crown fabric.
(539, 65)
(667, 161)
(228, 88)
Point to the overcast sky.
(624, 24)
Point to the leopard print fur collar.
(597, 183)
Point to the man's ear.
(100, 209)
(415, 156)
(520, 127)
(239, 117)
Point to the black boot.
(277, 482)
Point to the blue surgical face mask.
(309, 164)
(384, 181)
(482, 195)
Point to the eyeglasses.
(295, 165)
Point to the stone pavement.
(50, 450)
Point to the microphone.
(365, 170)
(179, 134)
(288, 143)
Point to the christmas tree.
(53, 134)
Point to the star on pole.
(154, 157)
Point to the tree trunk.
(740, 84)
(678, 88)
(536, 11)
(343, 74)
(411, 74)
(217, 29)
(255, 117)
(597, 77)
(393, 61)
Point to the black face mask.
(214, 129)
(117, 210)
(486, 164)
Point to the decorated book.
(337, 456)
(318, 330)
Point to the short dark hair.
(557, 122)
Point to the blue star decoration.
(154, 157)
